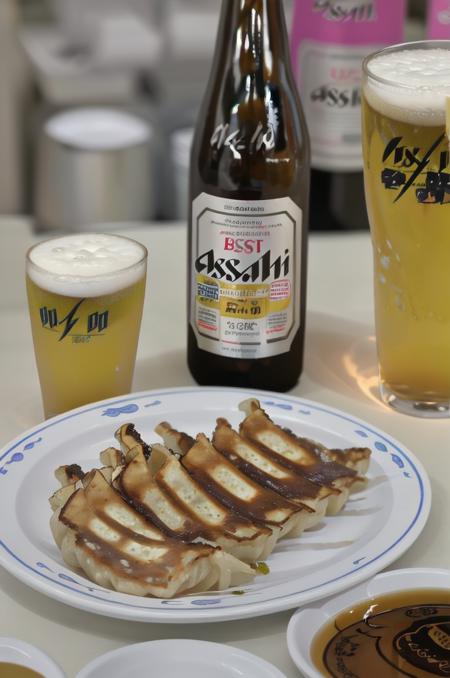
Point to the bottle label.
(245, 283)
(358, 11)
(329, 40)
(330, 86)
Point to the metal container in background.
(181, 142)
(93, 166)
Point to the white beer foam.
(418, 83)
(86, 264)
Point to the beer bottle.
(329, 40)
(249, 187)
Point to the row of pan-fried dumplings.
(193, 514)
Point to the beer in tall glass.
(85, 294)
(407, 184)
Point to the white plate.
(15, 651)
(179, 659)
(305, 623)
(376, 526)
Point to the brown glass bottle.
(249, 189)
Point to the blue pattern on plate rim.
(282, 406)
(116, 411)
(127, 409)
(18, 456)
(359, 560)
(66, 577)
(155, 402)
(89, 587)
(200, 603)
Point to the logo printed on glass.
(421, 170)
(95, 322)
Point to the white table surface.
(340, 370)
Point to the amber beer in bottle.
(249, 189)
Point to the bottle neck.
(253, 38)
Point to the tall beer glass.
(407, 183)
(85, 295)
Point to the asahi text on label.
(245, 295)
(347, 10)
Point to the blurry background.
(148, 58)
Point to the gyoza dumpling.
(356, 458)
(305, 457)
(71, 477)
(236, 490)
(161, 489)
(257, 464)
(116, 548)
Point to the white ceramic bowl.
(179, 659)
(15, 651)
(306, 622)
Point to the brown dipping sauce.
(8, 670)
(392, 635)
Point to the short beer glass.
(406, 93)
(85, 295)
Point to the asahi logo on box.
(346, 10)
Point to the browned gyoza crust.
(173, 439)
(299, 454)
(299, 469)
(254, 461)
(69, 474)
(303, 456)
(357, 458)
(129, 437)
(130, 524)
(79, 513)
(180, 506)
(116, 547)
(239, 492)
(217, 477)
(297, 490)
